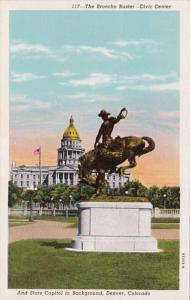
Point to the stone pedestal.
(114, 227)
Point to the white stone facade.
(28, 176)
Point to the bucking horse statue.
(108, 155)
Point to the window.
(21, 176)
(27, 176)
(34, 176)
(21, 183)
(113, 184)
(27, 183)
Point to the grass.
(21, 220)
(17, 217)
(17, 221)
(46, 264)
(165, 226)
(57, 219)
(14, 224)
(165, 220)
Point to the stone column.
(63, 180)
(69, 180)
(75, 181)
(66, 178)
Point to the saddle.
(111, 151)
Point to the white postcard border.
(183, 7)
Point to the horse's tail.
(150, 147)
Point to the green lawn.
(17, 217)
(57, 219)
(165, 220)
(165, 225)
(17, 221)
(46, 264)
(13, 224)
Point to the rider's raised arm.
(116, 120)
(120, 116)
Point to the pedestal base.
(114, 227)
(114, 244)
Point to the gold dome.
(70, 132)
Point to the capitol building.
(66, 170)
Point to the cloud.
(123, 82)
(169, 86)
(25, 50)
(103, 51)
(18, 99)
(168, 114)
(76, 96)
(21, 103)
(172, 86)
(152, 77)
(143, 42)
(23, 47)
(93, 79)
(64, 74)
(88, 98)
(151, 46)
(23, 77)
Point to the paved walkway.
(166, 234)
(42, 230)
(60, 230)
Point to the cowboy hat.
(103, 113)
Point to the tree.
(82, 192)
(154, 196)
(172, 196)
(15, 194)
(135, 189)
(168, 197)
(58, 191)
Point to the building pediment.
(66, 169)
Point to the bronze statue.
(106, 156)
(105, 149)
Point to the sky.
(66, 63)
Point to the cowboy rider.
(105, 132)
